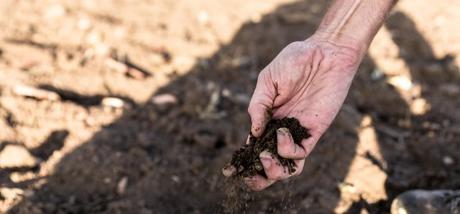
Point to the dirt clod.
(246, 160)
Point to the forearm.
(354, 23)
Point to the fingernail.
(265, 154)
(283, 131)
(255, 128)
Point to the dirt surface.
(134, 106)
(246, 159)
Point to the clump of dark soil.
(246, 159)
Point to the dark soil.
(163, 152)
(246, 160)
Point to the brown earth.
(246, 160)
(183, 72)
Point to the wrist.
(350, 43)
(353, 23)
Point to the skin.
(309, 80)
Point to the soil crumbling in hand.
(246, 160)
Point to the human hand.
(308, 80)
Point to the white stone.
(13, 156)
(163, 99)
(447, 160)
(113, 102)
(121, 186)
(401, 82)
(419, 106)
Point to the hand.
(308, 80)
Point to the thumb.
(261, 104)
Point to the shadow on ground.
(171, 155)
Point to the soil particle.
(246, 159)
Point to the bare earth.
(158, 145)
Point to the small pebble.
(113, 102)
(377, 74)
(121, 186)
(36, 93)
(401, 82)
(175, 178)
(447, 160)
(163, 99)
